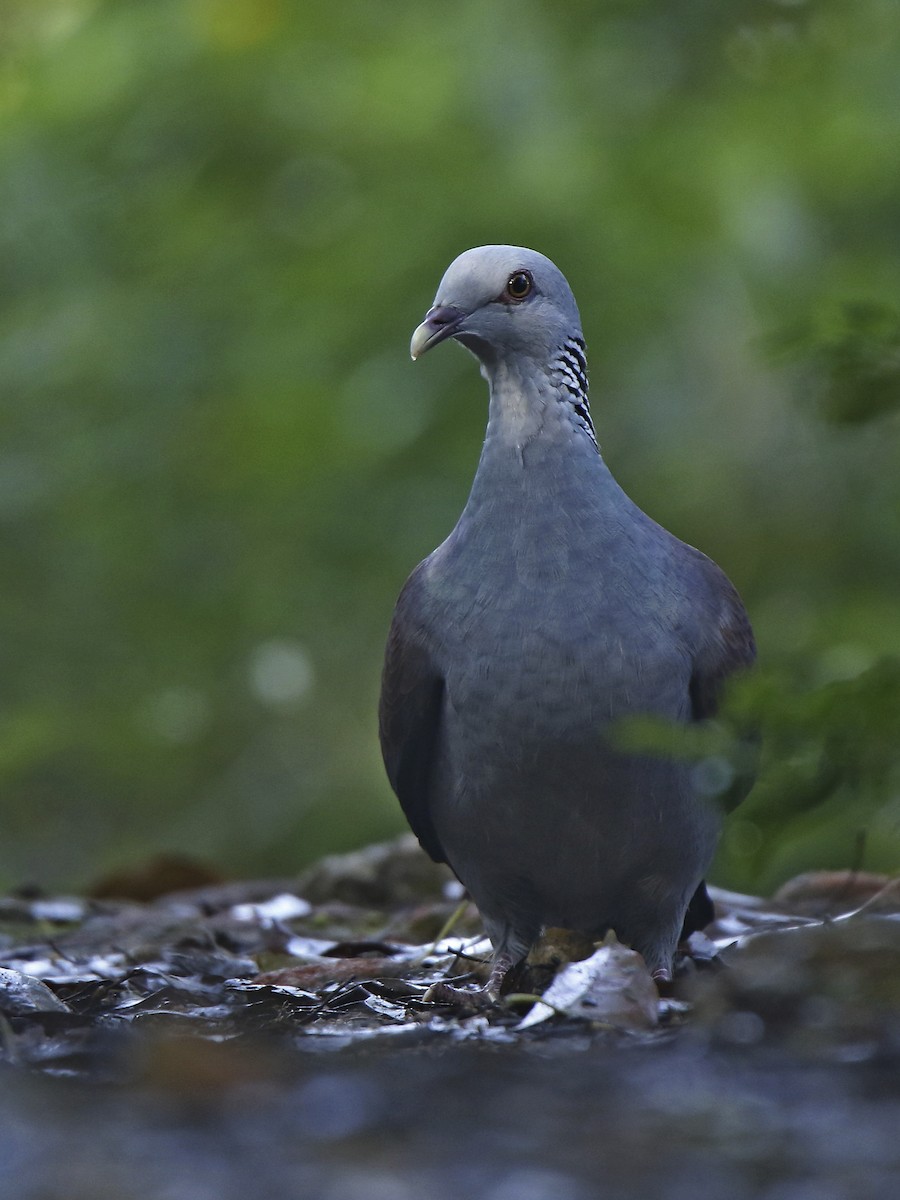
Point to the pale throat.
(519, 402)
(530, 398)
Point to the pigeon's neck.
(540, 464)
(544, 507)
(537, 406)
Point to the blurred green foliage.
(219, 222)
(852, 364)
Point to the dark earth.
(278, 1039)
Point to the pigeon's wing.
(700, 912)
(728, 649)
(409, 717)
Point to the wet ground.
(277, 1039)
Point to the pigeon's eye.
(519, 285)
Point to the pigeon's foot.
(466, 1000)
(662, 977)
(478, 998)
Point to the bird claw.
(476, 999)
(468, 1000)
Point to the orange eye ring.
(519, 285)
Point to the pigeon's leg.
(502, 965)
(511, 946)
(657, 949)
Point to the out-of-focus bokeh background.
(220, 221)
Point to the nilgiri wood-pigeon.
(554, 609)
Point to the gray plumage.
(553, 609)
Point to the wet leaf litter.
(350, 953)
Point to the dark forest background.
(220, 221)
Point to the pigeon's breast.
(566, 612)
(566, 660)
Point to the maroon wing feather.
(729, 650)
(409, 717)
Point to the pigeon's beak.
(440, 322)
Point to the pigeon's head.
(501, 302)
